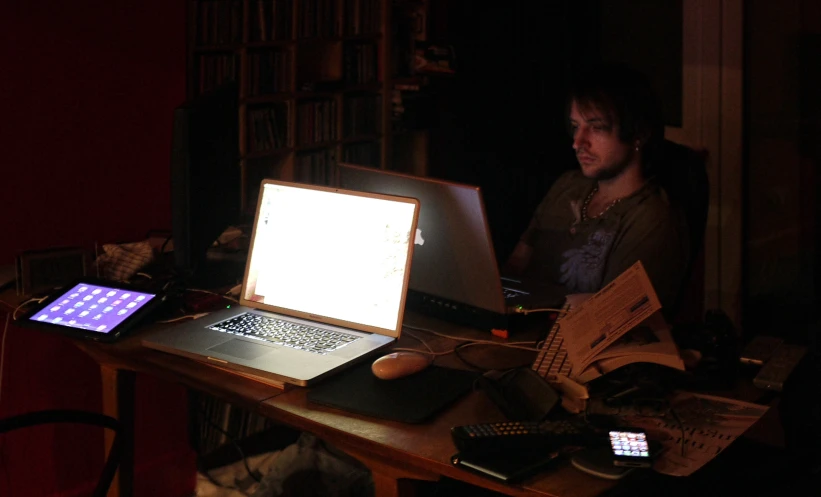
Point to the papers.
(618, 325)
(695, 429)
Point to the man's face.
(600, 152)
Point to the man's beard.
(614, 170)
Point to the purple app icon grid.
(93, 308)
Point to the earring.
(638, 147)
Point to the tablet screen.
(92, 307)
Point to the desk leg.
(118, 402)
(390, 486)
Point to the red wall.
(86, 93)
(87, 89)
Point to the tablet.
(93, 309)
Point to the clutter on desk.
(520, 393)
(692, 428)
(121, 262)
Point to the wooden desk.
(395, 452)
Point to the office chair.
(682, 172)
(82, 417)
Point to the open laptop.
(455, 272)
(325, 284)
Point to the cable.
(167, 239)
(522, 310)
(27, 302)
(233, 442)
(187, 316)
(477, 341)
(227, 297)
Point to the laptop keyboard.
(287, 333)
(511, 293)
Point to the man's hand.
(518, 260)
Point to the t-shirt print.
(583, 268)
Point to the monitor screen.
(344, 256)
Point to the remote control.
(518, 436)
(759, 350)
(775, 372)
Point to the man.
(597, 221)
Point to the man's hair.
(626, 98)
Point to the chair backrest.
(682, 172)
(82, 417)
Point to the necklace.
(590, 197)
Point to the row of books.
(316, 167)
(271, 20)
(219, 22)
(214, 69)
(267, 128)
(362, 17)
(316, 122)
(360, 64)
(268, 72)
(318, 19)
(361, 115)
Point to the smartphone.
(630, 448)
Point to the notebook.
(325, 285)
(453, 259)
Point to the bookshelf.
(321, 81)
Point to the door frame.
(712, 118)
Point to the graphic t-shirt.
(584, 255)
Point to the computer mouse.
(398, 364)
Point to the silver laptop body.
(319, 257)
(454, 257)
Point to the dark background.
(87, 90)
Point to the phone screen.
(630, 446)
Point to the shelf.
(232, 47)
(316, 146)
(265, 99)
(370, 37)
(271, 44)
(310, 72)
(269, 153)
(361, 138)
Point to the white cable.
(472, 341)
(187, 316)
(525, 311)
(27, 302)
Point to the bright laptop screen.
(334, 254)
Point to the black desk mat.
(411, 399)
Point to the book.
(621, 324)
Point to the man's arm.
(518, 260)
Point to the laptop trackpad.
(241, 349)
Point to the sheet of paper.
(610, 313)
(695, 429)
